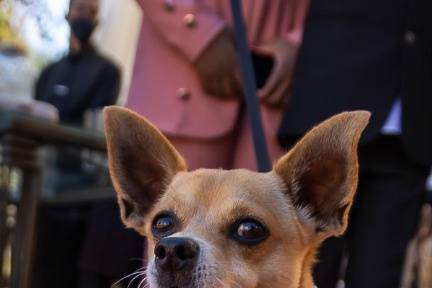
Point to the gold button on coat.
(190, 20)
(183, 94)
(169, 5)
(410, 38)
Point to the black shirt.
(77, 83)
(364, 54)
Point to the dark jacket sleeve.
(40, 88)
(108, 91)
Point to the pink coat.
(165, 88)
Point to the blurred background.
(40, 30)
(34, 34)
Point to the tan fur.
(418, 260)
(305, 199)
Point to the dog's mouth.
(178, 282)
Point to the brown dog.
(216, 228)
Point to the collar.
(86, 50)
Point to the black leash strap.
(248, 75)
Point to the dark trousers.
(383, 219)
(85, 246)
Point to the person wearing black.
(84, 79)
(84, 244)
(377, 56)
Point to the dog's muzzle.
(175, 260)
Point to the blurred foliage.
(9, 38)
(39, 11)
(33, 33)
(34, 26)
(6, 34)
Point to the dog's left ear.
(142, 163)
(321, 171)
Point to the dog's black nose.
(176, 254)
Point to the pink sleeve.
(169, 18)
(298, 13)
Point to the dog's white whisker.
(136, 277)
(141, 270)
(220, 281)
(143, 283)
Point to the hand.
(284, 53)
(217, 68)
(26, 107)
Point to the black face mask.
(82, 29)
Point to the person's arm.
(40, 85)
(187, 25)
(108, 89)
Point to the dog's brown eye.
(249, 232)
(163, 225)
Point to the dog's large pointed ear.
(142, 163)
(321, 172)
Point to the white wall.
(117, 36)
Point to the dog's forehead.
(226, 190)
(204, 184)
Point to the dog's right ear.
(321, 171)
(142, 163)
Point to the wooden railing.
(21, 137)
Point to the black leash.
(248, 75)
